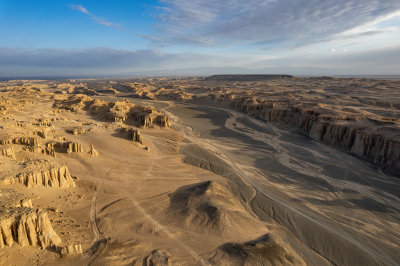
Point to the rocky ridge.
(124, 112)
(36, 173)
(380, 145)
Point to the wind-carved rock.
(74, 147)
(134, 134)
(158, 257)
(75, 130)
(7, 151)
(119, 111)
(51, 148)
(380, 145)
(38, 173)
(71, 249)
(26, 226)
(92, 151)
(53, 177)
(28, 141)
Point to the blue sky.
(105, 38)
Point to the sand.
(194, 171)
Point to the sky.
(59, 38)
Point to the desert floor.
(217, 187)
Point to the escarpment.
(28, 141)
(20, 223)
(53, 177)
(379, 144)
(124, 112)
(37, 173)
(63, 147)
(26, 226)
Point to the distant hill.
(246, 77)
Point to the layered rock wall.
(124, 112)
(29, 141)
(26, 226)
(375, 145)
(55, 176)
(7, 151)
(134, 134)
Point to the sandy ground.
(217, 188)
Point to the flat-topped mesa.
(28, 141)
(379, 144)
(145, 116)
(26, 226)
(134, 134)
(140, 90)
(173, 94)
(247, 77)
(83, 90)
(37, 173)
(154, 118)
(51, 148)
(119, 111)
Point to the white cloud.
(278, 22)
(96, 19)
(372, 25)
(106, 23)
(80, 9)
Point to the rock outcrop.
(124, 112)
(26, 226)
(378, 144)
(75, 130)
(134, 134)
(7, 151)
(157, 257)
(38, 173)
(71, 249)
(140, 90)
(51, 148)
(265, 250)
(28, 141)
(11, 198)
(208, 205)
(63, 147)
(92, 151)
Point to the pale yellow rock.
(134, 134)
(92, 151)
(37, 173)
(72, 249)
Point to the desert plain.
(220, 170)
